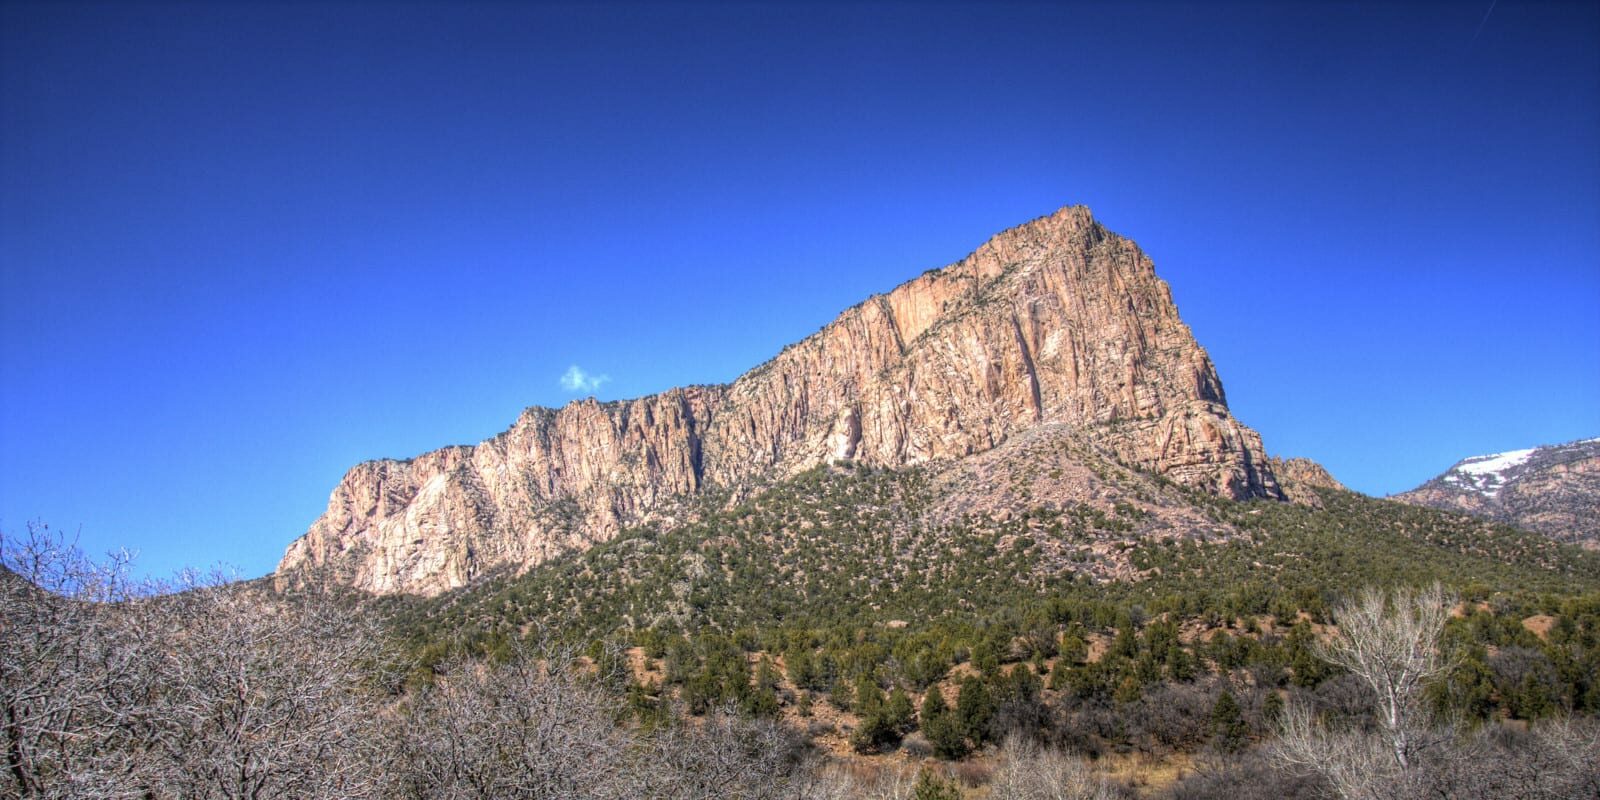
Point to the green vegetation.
(835, 550)
(829, 605)
(932, 787)
(830, 587)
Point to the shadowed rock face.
(1553, 490)
(1057, 321)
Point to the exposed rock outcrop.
(1553, 490)
(1056, 321)
(1298, 477)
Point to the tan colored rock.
(1057, 321)
(1299, 476)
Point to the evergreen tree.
(1180, 663)
(1533, 698)
(1308, 668)
(1468, 690)
(986, 657)
(941, 727)
(841, 695)
(1228, 729)
(1060, 674)
(1272, 707)
(898, 711)
(974, 709)
(767, 674)
(1073, 649)
(872, 732)
(868, 696)
(1126, 643)
(760, 701)
(803, 671)
(1129, 689)
(932, 787)
(933, 704)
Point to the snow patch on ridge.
(1486, 474)
(1496, 463)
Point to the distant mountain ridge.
(1550, 489)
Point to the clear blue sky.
(243, 247)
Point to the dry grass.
(1143, 771)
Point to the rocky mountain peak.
(1057, 321)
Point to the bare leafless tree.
(1355, 763)
(535, 727)
(262, 695)
(1554, 759)
(1029, 771)
(1390, 643)
(1248, 775)
(836, 782)
(723, 756)
(111, 687)
(71, 682)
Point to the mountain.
(1057, 324)
(1552, 489)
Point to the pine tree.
(974, 709)
(1059, 674)
(985, 657)
(1228, 728)
(803, 670)
(1309, 669)
(898, 711)
(760, 701)
(841, 695)
(941, 727)
(1129, 689)
(932, 787)
(1073, 649)
(1126, 643)
(1272, 707)
(1180, 663)
(868, 696)
(1533, 698)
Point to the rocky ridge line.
(1551, 489)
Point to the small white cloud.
(575, 379)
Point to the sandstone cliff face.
(1553, 490)
(1057, 321)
